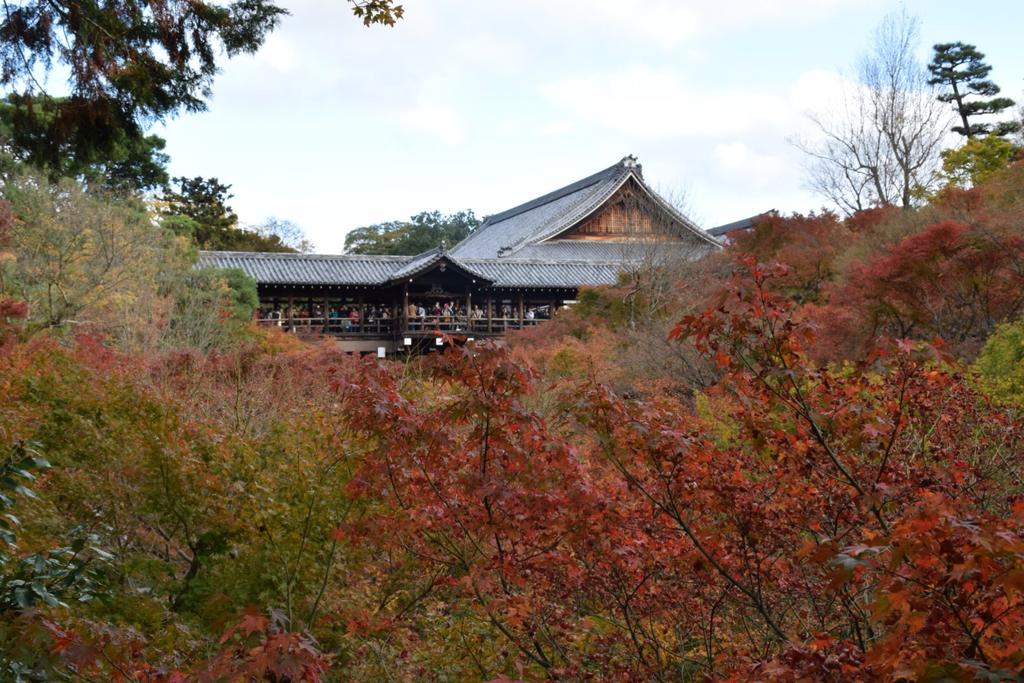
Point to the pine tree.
(205, 201)
(961, 67)
(199, 209)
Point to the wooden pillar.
(405, 307)
(362, 313)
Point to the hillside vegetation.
(799, 459)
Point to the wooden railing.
(448, 323)
(377, 327)
(500, 325)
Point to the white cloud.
(659, 104)
(560, 127)
(743, 165)
(671, 23)
(435, 115)
(278, 54)
(817, 88)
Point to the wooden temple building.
(518, 268)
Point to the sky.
(485, 104)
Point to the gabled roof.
(506, 234)
(428, 259)
(520, 247)
(508, 229)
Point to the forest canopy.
(425, 231)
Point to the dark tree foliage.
(140, 58)
(424, 231)
(129, 62)
(961, 68)
(124, 161)
(199, 208)
(204, 200)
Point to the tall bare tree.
(881, 145)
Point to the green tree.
(128, 63)
(121, 161)
(962, 69)
(199, 209)
(978, 159)
(424, 231)
(1000, 366)
(80, 260)
(211, 309)
(205, 201)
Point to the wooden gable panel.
(629, 214)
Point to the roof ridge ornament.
(630, 161)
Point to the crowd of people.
(445, 315)
(453, 315)
(343, 318)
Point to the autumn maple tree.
(837, 526)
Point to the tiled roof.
(566, 274)
(510, 229)
(519, 247)
(513, 233)
(742, 224)
(607, 251)
(418, 264)
(299, 269)
(611, 172)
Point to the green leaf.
(22, 598)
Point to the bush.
(1000, 366)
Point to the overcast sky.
(484, 104)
